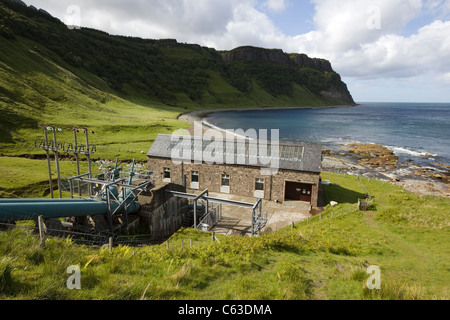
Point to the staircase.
(188, 220)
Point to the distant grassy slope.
(127, 90)
(27, 178)
(37, 90)
(50, 74)
(405, 235)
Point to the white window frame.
(225, 188)
(195, 185)
(260, 193)
(167, 170)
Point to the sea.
(418, 133)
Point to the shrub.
(294, 283)
(392, 215)
(6, 279)
(394, 291)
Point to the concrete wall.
(242, 178)
(162, 213)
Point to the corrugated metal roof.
(297, 157)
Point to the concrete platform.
(236, 221)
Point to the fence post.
(167, 244)
(110, 244)
(190, 242)
(41, 230)
(213, 236)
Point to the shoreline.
(198, 115)
(423, 186)
(345, 162)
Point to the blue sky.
(385, 50)
(296, 19)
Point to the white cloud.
(276, 5)
(427, 51)
(445, 77)
(345, 24)
(342, 32)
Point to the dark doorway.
(296, 191)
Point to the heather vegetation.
(327, 258)
(128, 91)
(51, 74)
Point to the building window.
(225, 180)
(195, 180)
(166, 175)
(225, 183)
(259, 188)
(259, 184)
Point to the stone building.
(295, 178)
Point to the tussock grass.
(325, 259)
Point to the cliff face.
(315, 63)
(255, 54)
(276, 71)
(275, 55)
(172, 72)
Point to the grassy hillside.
(50, 74)
(35, 89)
(405, 235)
(127, 90)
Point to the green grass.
(405, 234)
(326, 258)
(27, 178)
(37, 90)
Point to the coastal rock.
(327, 152)
(375, 155)
(333, 93)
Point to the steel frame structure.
(258, 221)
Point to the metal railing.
(211, 219)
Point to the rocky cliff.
(277, 71)
(171, 72)
(248, 53)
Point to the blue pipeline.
(30, 209)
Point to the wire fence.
(334, 213)
(95, 240)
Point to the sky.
(385, 50)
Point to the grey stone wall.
(242, 178)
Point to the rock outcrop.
(248, 53)
(255, 54)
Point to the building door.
(296, 191)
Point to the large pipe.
(30, 209)
(42, 200)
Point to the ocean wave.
(414, 153)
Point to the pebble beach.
(368, 160)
